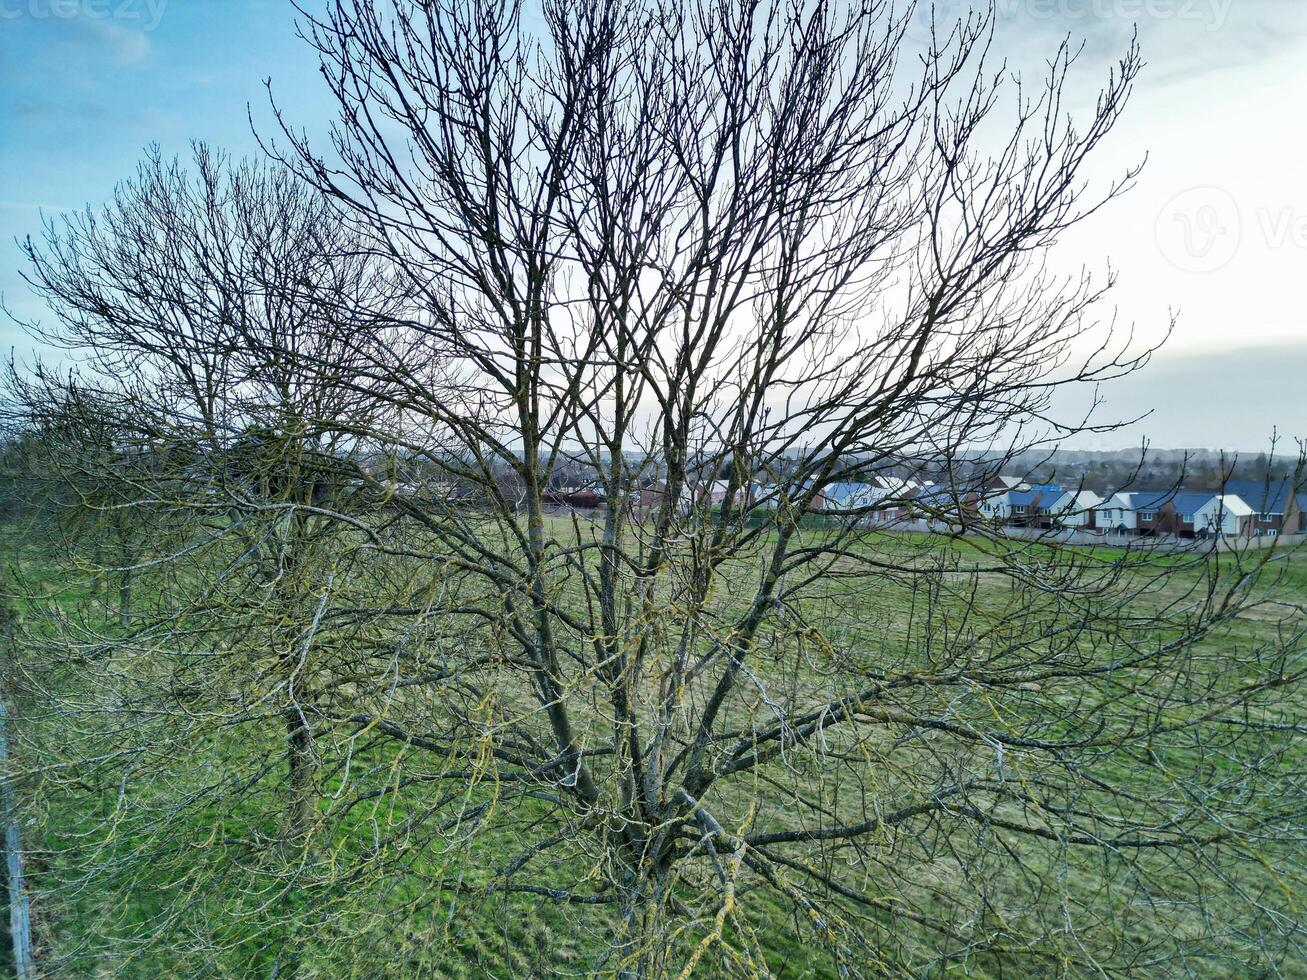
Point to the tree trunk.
(300, 784)
(125, 600)
(299, 778)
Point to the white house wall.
(1073, 509)
(1115, 513)
(1228, 510)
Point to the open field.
(427, 918)
(308, 673)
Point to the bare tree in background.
(192, 416)
(86, 520)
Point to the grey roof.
(942, 494)
(1265, 497)
(1184, 501)
(1188, 502)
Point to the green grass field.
(1247, 921)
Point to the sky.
(1215, 231)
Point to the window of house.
(1187, 518)
(1145, 515)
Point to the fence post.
(20, 917)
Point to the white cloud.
(123, 45)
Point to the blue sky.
(81, 97)
(1217, 228)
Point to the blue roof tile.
(1261, 496)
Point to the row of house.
(1277, 509)
(833, 498)
(1247, 508)
(1182, 514)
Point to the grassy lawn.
(436, 923)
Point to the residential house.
(1029, 507)
(1182, 517)
(1225, 515)
(1141, 512)
(764, 496)
(1155, 512)
(652, 495)
(894, 500)
(1116, 515)
(1073, 509)
(850, 496)
(944, 502)
(995, 504)
(1277, 508)
(1181, 513)
(996, 499)
(994, 509)
(586, 497)
(862, 497)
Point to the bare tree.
(721, 257)
(758, 244)
(191, 415)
